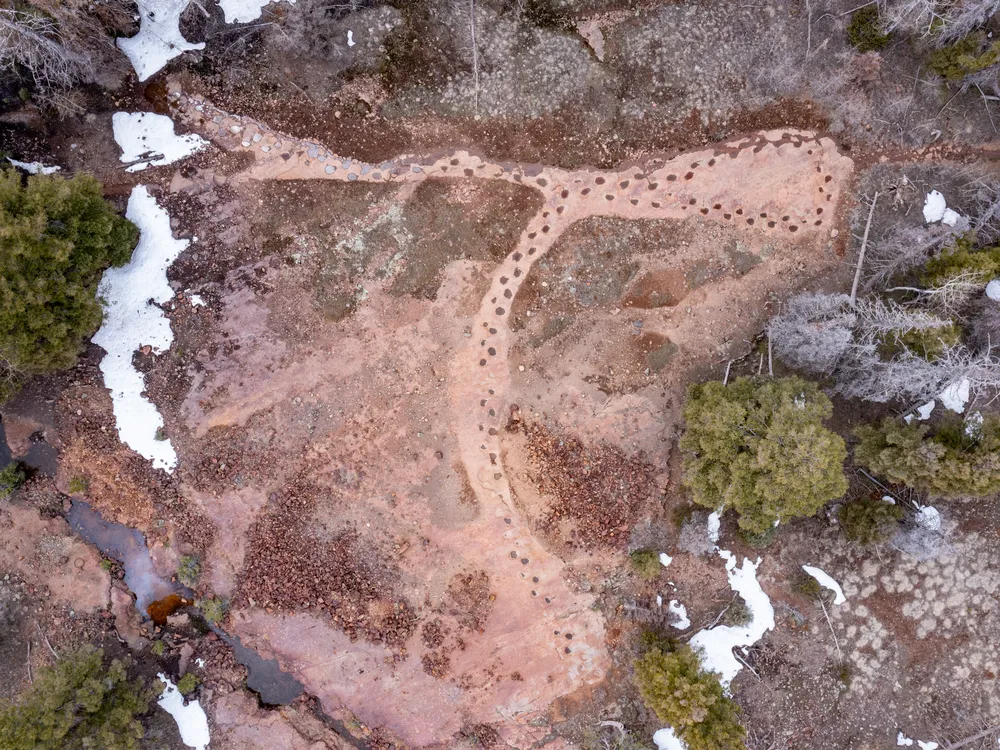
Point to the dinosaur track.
(785, 184)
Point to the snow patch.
(929, 517)
(33, 167)
(665, 739)
(131, 322)
(950, 217)
(714, 523)
(924, 412)
(665, 559)
(955, 396)
(196, 300)
(934, 207)
(903, 741)
(350, 39)
(242, 11)
(149, 140)
(191, 720)
(716, 646)
(676, 608)
(827, 582)
(993, 290)
(159, 39)
(888, 499)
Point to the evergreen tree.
(78, 704)
(760, 448)
(57, 236)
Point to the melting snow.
(242, 11)
(191, 719)
(826, 582)
(131, 322)
(888, 499)
(33, 167)
(676, 608)
(934, 207)
(955, 396)
(714, 522)
(716, 645)
(924, 412)
(665, 739)
(903, 741)
(149, 140)
(350, 39)
(665, 559)
(950, 217)
(196, 300)
(929, 517)
(993, 290)
(159, 39)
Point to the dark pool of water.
(41, 457)
(127, 546)
(5, 455)
(265, 677)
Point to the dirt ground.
(432, 398)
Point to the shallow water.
(265, 677)
(127, 546)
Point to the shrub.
(684, 696)
(961, 258)
(57, 236)
(214, 609)
(949, 463)
(645, 563)
(865, 30)
(188, 683)
(188, 570)
(78, 703)
(759, 447)
(738, 613)
(964, 58)
(869, 520)
(78, 485)
(158, 648)
(931, 343)
(11, 477)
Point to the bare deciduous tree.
(906, 248)
(33, 41)
(950, 20)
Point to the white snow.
(888, 499)
(665, 739)
(131, 322)
(33, 167)
(827, 582)
(659, 600)
(149, 140)
(242, 11)
(993, 290)
(929, 517)
(950, 217)
(191, 719)
(350, 39)
(924, 412)
(196, 300)
(159, 39)
(903, 741)
(714, 522)
(676, 608)
(716, 645)
(955, 396)
(665, 559)
(934, 207)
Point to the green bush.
(869, 520)
(948, 463)
(960, 258)
(645, 563)
(188, 570)
(931, 343)
(760, 448)
(57, 236)
(11, 477)
(188, 683)
(738, 613)
(965, 57)
(865, 30)
(78, 485)
(214, 609)
(78, 704)
(158, 648)
(688, 699)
